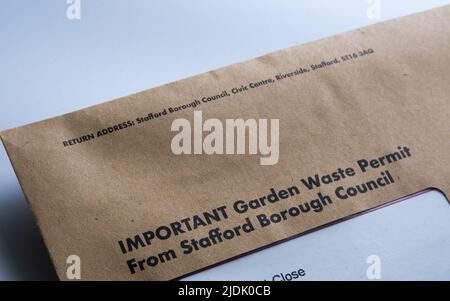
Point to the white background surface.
(50, 65)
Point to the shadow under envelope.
(23, 252)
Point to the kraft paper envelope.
(369, 108)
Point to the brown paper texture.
(389, 88)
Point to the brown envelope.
(104, 184)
